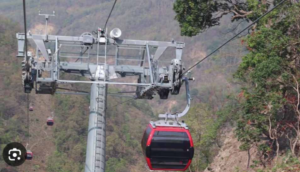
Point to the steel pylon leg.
(95, 152)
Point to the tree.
(270, 118)
(195, 16)
(271, 77)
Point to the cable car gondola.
(30, 107)
(50, 121)
(167, 147)
(29, 155)
(167, 144)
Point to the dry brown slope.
(230, 158)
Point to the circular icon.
(14, 154)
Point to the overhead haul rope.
(27, 67)
(68, 89)
(53, 106)
(28, 121)
(39, 141)
(96, 31)
(255, 21)
(43, 127)
(110, 14)
(117, 104)
(25, 30)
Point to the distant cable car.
(29, 155)
(168, 148)
(30, 107)
(50, 121)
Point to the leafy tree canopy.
(270, 74)
(195, 16)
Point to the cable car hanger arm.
(188, 100)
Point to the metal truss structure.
(88, 55)
(51, 58)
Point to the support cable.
(110, 14)
(68, 89)
(255, 21)
(98, 37)
(27, 66)
(43, 128)
(117, 104)
(234, 28)
(122, 92)
(25, 30)
(28, 124)
(96, 32)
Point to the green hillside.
(267, 124)
(63, 147)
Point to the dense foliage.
(271, 94)
(11, 118)
(269, 73)
(196, 16)
(211, 109)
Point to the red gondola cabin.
(167, 148)
(50, 121)
(29, 155)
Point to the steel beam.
(119, 42)
(101, 82)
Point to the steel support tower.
(95, 151)
(89, 57)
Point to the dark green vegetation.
(152, 20)
(268, 112)
(10, 123)
(270, 62)
(70, 133)
(270, 72)
(196, 16)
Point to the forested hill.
(65, 143)
(218, 103)
(267, 124)
(149, 19)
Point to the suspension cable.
(117, 104)
(110, 14)
(27, 68)
(25, 30)
(28, 124)
(255, 21)
(75, 90)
